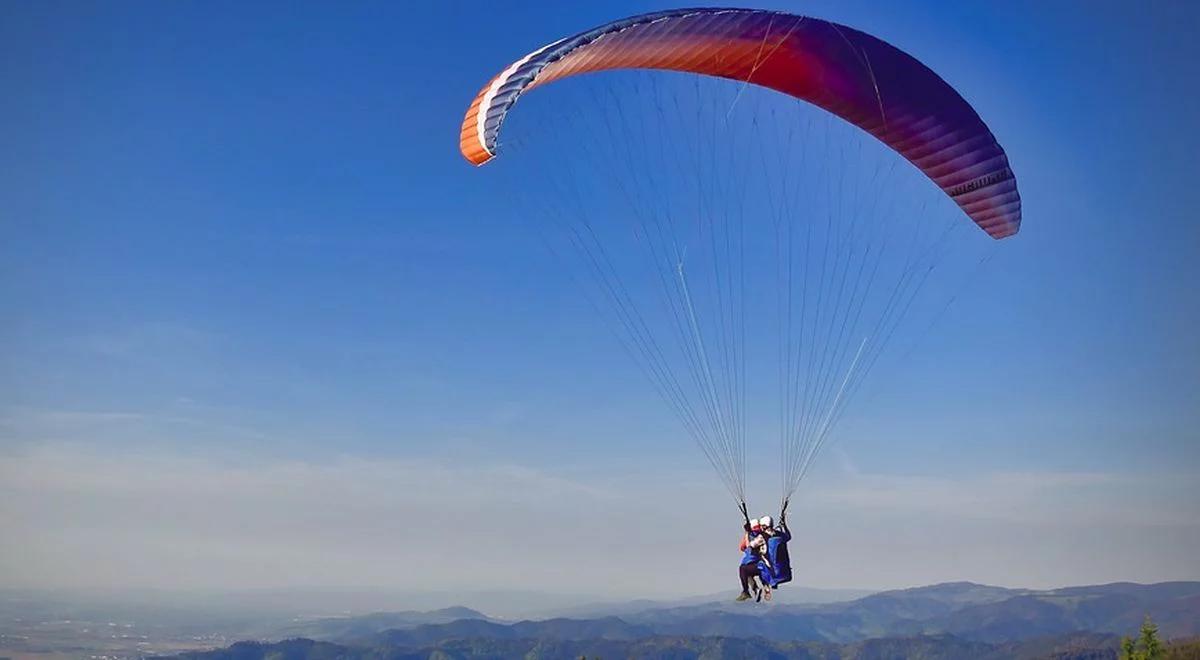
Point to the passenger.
(753, 547)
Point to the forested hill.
(940, 647)
(965, 610)
(952, 620)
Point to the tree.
(1147, 647)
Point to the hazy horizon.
(323, 602)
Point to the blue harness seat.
(780, 570)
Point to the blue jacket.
(749, 556)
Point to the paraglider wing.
(851, 74)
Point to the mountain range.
(965, 610)
(951, 620)
(943, 647)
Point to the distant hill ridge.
(357, 627)
(1086, 646)
(949, 620)
(965, 610)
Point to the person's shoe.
(742, 596)
(758, 595)
(767, 592)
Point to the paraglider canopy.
(857, 77)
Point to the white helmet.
(765, 521)
(754, 523)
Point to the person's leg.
(765, 575)
(746, 574)
(750, 573)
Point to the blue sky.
(239, 240)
